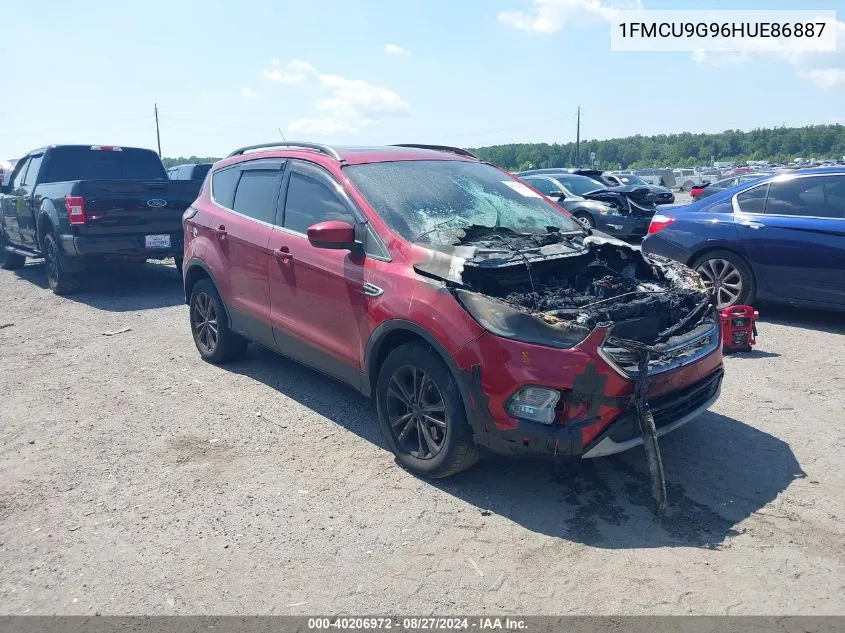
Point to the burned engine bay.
(574, 282)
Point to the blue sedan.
(780, 238)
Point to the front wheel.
(586, 220)
(422, 414)
(727, 277)
(61, 282)
(215, 342)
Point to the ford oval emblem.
(156, 203)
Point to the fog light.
(534, 403)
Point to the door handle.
(283, 254)
(751, 224)
(220, 231)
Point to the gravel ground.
(135, 478)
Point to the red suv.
(477, 313)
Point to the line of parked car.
(482, 311)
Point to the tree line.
(777, 145)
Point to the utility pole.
(578, 139)
(158, 135)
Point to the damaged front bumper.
(596, 415)
(670, 413)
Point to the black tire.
(687, 187)
(710, 266)
(9, 261)
(179, 261)
(215, 342)
(436, 413)
(585, 219)
(60, 281)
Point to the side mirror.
(332, 234)
(557, 194)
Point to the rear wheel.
(585, 219)
(687, 186)
(60, 281)
(728, 277)
(9, 261)
(421, 413)
(178, 261)
(215, 342)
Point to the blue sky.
(460, 72)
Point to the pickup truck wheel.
(687, 186)
(60, 281)
(422, 414)
(179, 261)
(215, 342)
(9, 261)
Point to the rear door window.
(255, 196)
(32, 170)
(18, 181)
(543, 185)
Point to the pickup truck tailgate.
(134, 206)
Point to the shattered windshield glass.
(429, 200)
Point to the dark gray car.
(624, 214)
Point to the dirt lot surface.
(134, 478)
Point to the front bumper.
(121, 245)
(596, 399)
(670, 413)
(670, 199)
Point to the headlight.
(502, 320)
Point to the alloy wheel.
(416, 412)
(584, 221)
(204, 320)
(723, 279)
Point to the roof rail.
(318, 147)
(440, 148)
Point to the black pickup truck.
(80, 205)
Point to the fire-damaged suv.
(476, 312)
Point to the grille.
(681, 350)
(676, 405)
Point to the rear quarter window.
(223, 184)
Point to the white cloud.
(249, 94)
(824, 78)
(393, 49)
(825, 69)
(550, 16)
(348, 104)
(319, 127)
(293, 72)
